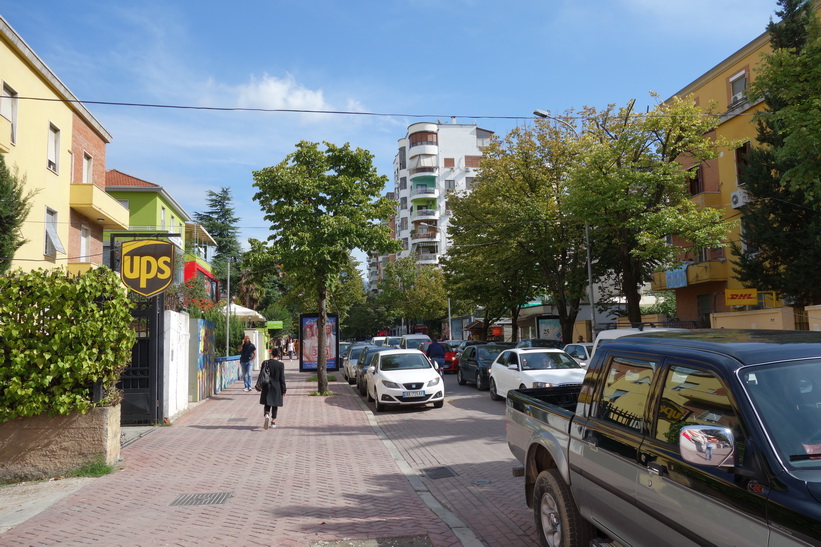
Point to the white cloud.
(270, 92)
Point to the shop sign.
(147, 266)
(741, 297)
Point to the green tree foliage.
(513, 234)
(323, 202)
(781, 222)
(221, 222)
(414, 293)
(629, 185)
(15, 204)
(365, 318)
(59, 336)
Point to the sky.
(392, 62)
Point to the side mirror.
(707, 445)
(371, 369)
(513, 366)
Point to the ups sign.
(147, 266)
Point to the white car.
(520, 368)
(404, 377)
(580, 351)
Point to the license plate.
(408, 394)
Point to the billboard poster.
(309, 342)
(549, 328)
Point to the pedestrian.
(436, 352)
(580, 340)
(248, 352)
(709, 449)
(273, 392)
(290, 349)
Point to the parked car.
(474, 364)
(540, 343)
(349, 361)
(365, 360)
(614, 458)
(412, 341)
(393, 341)
(450, 353)
(404, 377)
(378, 340)
(521, 368)
(580, 351)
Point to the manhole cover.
(439, 472)
(213, 498)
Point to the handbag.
(264, 377)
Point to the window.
(403, 183)
(468, 182)
(738, 85)
(483, 137)
(423, 137)
(173, 223)
(403, 161)
(692, 397)
(53, 148)
(53, 245)
(8, 109)
(696, 179)
(450, 184)
(403, 224)
(624, 396)
(403, 203)
(85, 238)
(741, 162)
(404, 244)
(449, 162)
(123, 202)
(472, 161)
(87, 168)
(162, 218)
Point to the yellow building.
(706, 279)
(59, 147)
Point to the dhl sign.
(147, 266)
(741, 297)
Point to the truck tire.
(558, 521)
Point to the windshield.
(488, 354)
(541, 361)
(404, 361)
(787, 396)
(413, 343)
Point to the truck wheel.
(459, 378)
(493, 393)
(557, 518)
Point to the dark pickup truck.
(707, 437)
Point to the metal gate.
(141, 382)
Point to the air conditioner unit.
(737, 98)
(738, 199)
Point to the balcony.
(700, 272)
(425, 237)
(422, 171)
(427, 148)
(708, 199)
(425, 214)
(95, 204)
(427, 258)
(424, 192)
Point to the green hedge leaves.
(59, 336)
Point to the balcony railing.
(425, 214)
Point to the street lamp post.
(546, 115)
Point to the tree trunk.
(515, 318)
(321, 339)
(630, 282)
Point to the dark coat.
(271, 395)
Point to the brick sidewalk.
(321, 475)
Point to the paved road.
(467, 438)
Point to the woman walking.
(273, 392)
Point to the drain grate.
(439, 472)
(213, 498)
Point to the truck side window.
(692, 397)
(625, 391)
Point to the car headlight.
(434, 382)
(392, 385)
(542, 384)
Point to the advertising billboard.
(309, 342)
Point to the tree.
(15, 204)
(515, 223)
(781, 222)
(629, 186)
(415, 293)
(221, 222)
(323, 202)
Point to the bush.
(59, 336)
